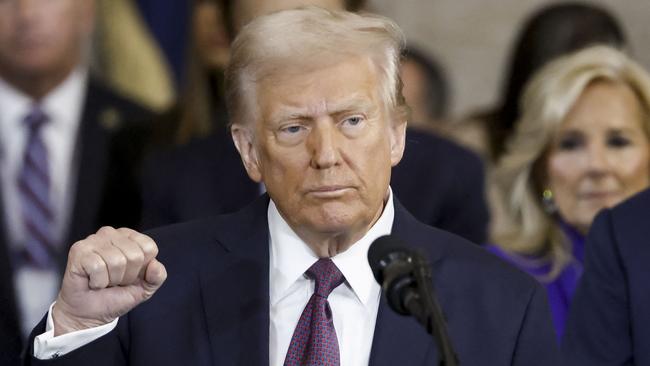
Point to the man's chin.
(336, 219)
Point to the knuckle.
(76, 248)
(94, 266)
(105, 230)
(124, 230)
(150, 248)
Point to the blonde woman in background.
(582, 144)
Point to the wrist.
(64, 322)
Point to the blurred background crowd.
(527, 118)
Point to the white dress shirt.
(37, 288)
(354, 304)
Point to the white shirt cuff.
(47, 346)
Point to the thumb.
(154, 276)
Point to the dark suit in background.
(214, 307)
(439, 182)
(610, 314)
(443, 185)
(110, 143)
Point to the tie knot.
(36, 118)
(327, 276)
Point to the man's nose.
(323, 143)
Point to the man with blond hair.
(318, 117)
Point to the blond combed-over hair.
(304, 39)
(521, 225)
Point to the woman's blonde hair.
(521, 226)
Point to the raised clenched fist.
(108, 274)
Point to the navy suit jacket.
(610, 314)
(109, 145)
(214, 307)
(439, 182)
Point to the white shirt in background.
(37, 288)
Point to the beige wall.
(472, 38)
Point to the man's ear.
(397, 141)
(243, 137)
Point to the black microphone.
(405, 279)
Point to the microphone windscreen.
(380, 253)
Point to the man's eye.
(292, 129)
(353, 121)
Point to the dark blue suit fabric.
(610, 314)
(214, 307)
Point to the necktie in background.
(34, 195)
(314, 340)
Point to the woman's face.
(600, 155)
(210, 35)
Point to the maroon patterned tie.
(314, 341)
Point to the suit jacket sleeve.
(598, 330)
(105, 351)
(537, 342)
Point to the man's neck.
(36, 86)
(327, 245)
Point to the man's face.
(324, 146)
(246, 10)
(43, 36)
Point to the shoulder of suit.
(627, 223)
(184, 243)
(114, 109)
(470, 266)
(635, 208)
(426, 142)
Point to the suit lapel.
(401, 340)
(236, 297)
(91, 159)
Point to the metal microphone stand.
(424, 306)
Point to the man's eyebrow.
(356, 103)
(289, 113)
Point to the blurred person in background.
(425, 89)
(608, 324)
(553, 31)
(582, 144)
(439, 182)
(200, 110)
(68, 150)
(243, 11)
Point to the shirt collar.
(62, 105)
(291, 257)
(14, 106)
